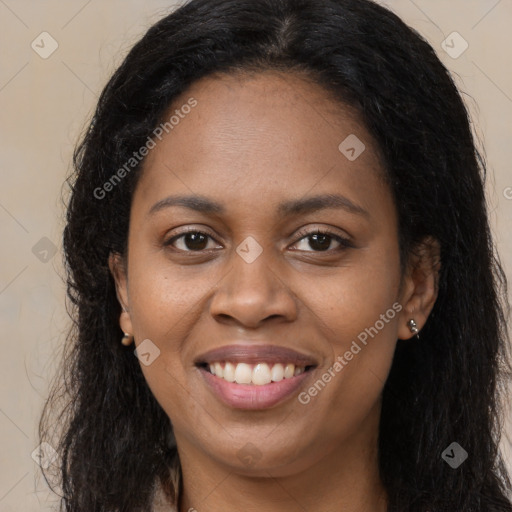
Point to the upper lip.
(255, 353)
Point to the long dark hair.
(114, 439)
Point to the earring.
(413, 327)
(127, 339)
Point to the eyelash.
(344, 242)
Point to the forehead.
(256, 136)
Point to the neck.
(347, 478)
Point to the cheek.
(354, 298)
(358, 310)
(164, 298)
(164, 306)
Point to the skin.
(252, 142)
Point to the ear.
(118, 270)
(420, 286)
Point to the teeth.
(229, 372)
(218, 370)
(243, 373)
(277, 372)
(261, 375)
(258, 374)
(289, 370)
(298, 371)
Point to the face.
(288, 256)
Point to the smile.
(258, 374)
(245, 375)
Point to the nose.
(252, 293)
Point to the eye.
(321, 240)
(190, 241)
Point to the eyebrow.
(288, 208)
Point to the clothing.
(161, 501)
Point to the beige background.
(45, 104)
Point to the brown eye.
(191, 241)
(320, 241)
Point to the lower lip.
(247, 396)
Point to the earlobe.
(420, 288)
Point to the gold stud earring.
(127, 339)
(413, 327)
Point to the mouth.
(254, 376)
(259, 374)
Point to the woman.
(280, 206)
